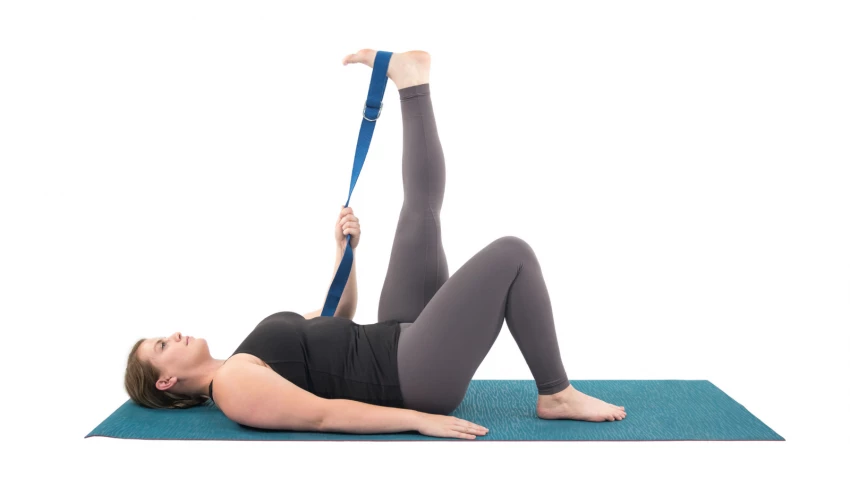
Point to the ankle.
(410, 82)
(559, 397)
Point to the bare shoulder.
(229, 373)
(249, 392)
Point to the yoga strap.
(371, 113)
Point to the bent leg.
(417, 267)
(439, 353)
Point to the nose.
(177, 337)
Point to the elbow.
(323, 420)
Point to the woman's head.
(159, 369)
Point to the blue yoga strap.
(371, 113)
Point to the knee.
(513, 246)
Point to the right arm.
(256, 396)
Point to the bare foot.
(570, 404)
(406, 69)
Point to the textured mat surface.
(657, 410)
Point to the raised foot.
(405, 69)
(571, 404)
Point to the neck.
(199, 382)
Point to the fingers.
(348, 218)
(347, 214)
(348, 221)
(468, 428)
(350, 227)
(466, 434)
(345, 210)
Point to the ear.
(165, 383)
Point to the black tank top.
(331, 357)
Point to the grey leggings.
(450, 323)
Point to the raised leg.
(418, 266)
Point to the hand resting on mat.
(446, 426)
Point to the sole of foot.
(570, 404)
(406, 69)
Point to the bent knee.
(515, 247)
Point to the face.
(175, 356)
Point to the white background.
(680, 169)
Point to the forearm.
(348, 301)
(350, 416)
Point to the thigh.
(439, 353)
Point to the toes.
(367, 57)
(362, 56)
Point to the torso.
(327, 356)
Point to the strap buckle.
(379, 112)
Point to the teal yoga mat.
(657, 410)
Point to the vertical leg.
(417, 267)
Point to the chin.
(203, 344)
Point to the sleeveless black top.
(331, 357)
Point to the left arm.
(347, 306)
(348, 301)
